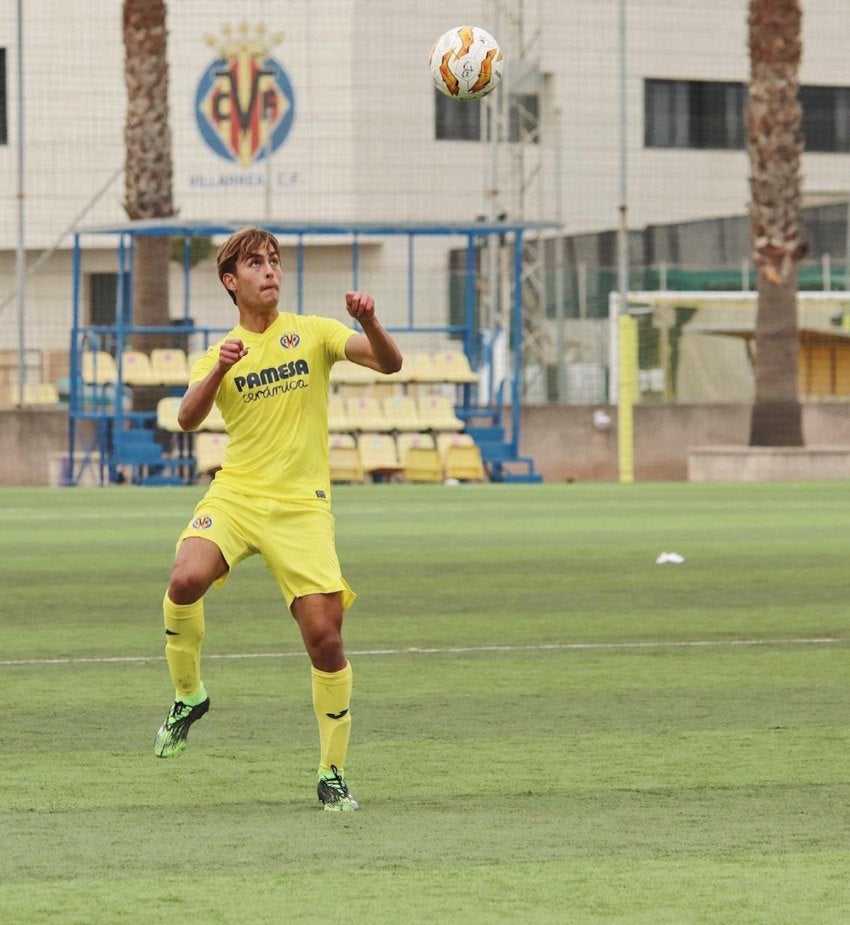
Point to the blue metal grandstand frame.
(86, 403)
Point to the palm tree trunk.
(775, 147)
(776, 418)
(148, 166)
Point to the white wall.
(362, 144)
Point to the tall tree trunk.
(148, 164)
(775, 146)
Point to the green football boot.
(171, 738)
(334, 793)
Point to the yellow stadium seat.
(379, 455)
(423, 464)
(341, 440)
(344, 459)
(169, 366)
(166, 419)
(401, 376)
(445, 440)
(408, 441)
(464, 463)
(436, 413)
(419, 367)
(41, 395)
(453, 366)
(420, 458)
(347, 373)
(365, 414)
(99, 368)
(213, 421)
(166, 415)
(136, 368)
(339, 420)
(209, 451)
(401, 413)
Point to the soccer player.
(269, 377)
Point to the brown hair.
(239, 245)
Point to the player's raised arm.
(197, 403)
(373, 348)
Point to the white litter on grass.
(669, 558)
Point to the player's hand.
(230, 352)
(360, 305)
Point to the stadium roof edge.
(178, 227)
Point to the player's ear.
(229, 281)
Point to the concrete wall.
(568, 443)
(32, 442)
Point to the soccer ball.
(466, 63)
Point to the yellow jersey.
(274, 402)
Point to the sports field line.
(452, 650)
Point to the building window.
(103, 298)
(826, 118)
(458, 121)
(711, 114)
(524, 118)
(694, 114)
(4, 130)
(103, 307)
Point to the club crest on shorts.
(204, 522)
(288, 341)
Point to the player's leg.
(299, 549)
(319, 617)
(198, 563)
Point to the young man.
(269, 377)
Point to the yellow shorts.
(296, 540)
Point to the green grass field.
(548, 727)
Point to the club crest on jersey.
(288, 341)
(204, 522)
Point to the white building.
(356, 127)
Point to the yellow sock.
(332, 702)
(184, 633)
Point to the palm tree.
(775, 146)
(148, 165)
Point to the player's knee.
(186, 586)
(326, 650)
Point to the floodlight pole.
(623, 230)
(847, 245)
(268, 168)
(560, 264)
(20, 256)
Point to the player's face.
(257, 280)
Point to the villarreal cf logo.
(244, 104)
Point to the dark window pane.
(4, 133)
(456, 121)
(716, 114)
(666, 114)
(818, 113)
(826, 114)
(711, 114)
(523, 118)
(103, 298)
(693, 114)
(842, 119)
(459, 121)
(103, 305)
